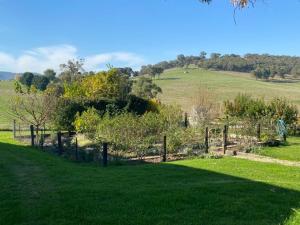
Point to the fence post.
(206, 140)
(225, 135)
(165, 149)
(14, 128)
(76, 149)
(258, 131)
(59, 144)
(32, 135)
(104, 154)
(284, 137)
(186, 122)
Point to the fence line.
(215, 139)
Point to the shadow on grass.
(169, 78)
(287, 81)
(38, 188)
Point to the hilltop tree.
(203, 55)
(181, 60)
(296, 71)
(156, 71)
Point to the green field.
(6, 92)
(182, 88)
(40, 188)
(289, 152)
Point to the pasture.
(40, 188)
(6, 92)
(181, 88)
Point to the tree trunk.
(37, 135)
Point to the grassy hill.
(41, 188)
(6, 92)
(179, 87)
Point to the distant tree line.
(262, 66)
(71, 71)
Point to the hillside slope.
(181, 88)
(6, 92)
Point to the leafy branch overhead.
(236, 3)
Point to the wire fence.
(218, 138)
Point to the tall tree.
(27, 78)
(71, 70)
(40, 82)
(145, 88)
(50, 74)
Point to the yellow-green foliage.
(87, 122)
(105, 84)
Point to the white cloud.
(39, 59)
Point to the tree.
(145, 88)
(32, 107)
(156, 71)
(105, 84)
(72, 70)
(40, 82)
(296, 71)
(50, 74)
(127, 71)
(203, 55)
(27, 78)
(262, 73)
(181, 60)
(236, 3)
(215, 56)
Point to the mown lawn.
(39, 188)
(291, 151)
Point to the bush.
(67, 109)
(87, 122)
(244, 107)
(138, 133)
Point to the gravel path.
(266, 159)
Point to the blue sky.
(37, 34)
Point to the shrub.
(87, 122)
(244, 107)
(138, 133)
(67, 109)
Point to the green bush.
(135, 133)
(87, 122)
(244, 107)
(67, 109)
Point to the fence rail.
(218, 138)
